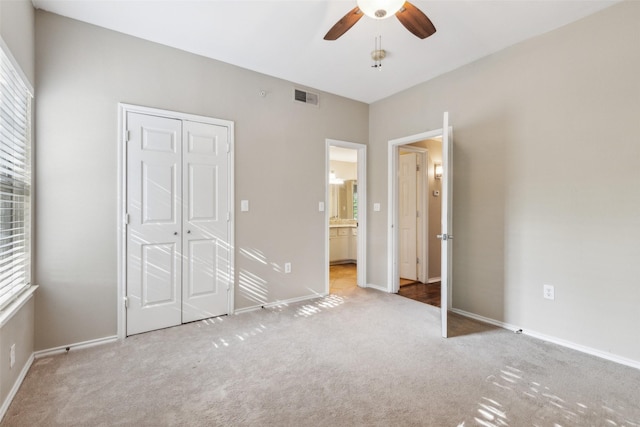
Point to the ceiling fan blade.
(343, 25)
(415, 21)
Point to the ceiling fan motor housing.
(380, 9)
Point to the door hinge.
(417, 214)
(127, 136)
(228, 147)
(126, 302)
(417, 260)
(417, 168)
(126, 219)
(228, 216)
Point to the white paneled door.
(205, 237)
(178, 250)
(407, 216)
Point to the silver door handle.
(444, 236)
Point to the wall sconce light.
(437, 170)
(334, 180)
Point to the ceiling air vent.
(306, 97)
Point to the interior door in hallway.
(407, 216)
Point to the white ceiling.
(284, 38)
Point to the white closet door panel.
(206, 238)
(154, 259)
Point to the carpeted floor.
(359, 358)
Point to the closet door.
(154, 240)
(206, 248)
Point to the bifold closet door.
(178, 253)
(205, 215)
(154, 232)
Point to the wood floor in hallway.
(344, 276)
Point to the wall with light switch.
(83, 71)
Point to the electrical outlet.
(548, 291)
(287, 267)
(12, 356)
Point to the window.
(15, 178)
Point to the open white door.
(447, 215)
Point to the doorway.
(345, 215)
(419, 210)
(445, 235)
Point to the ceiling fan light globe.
(380, 9)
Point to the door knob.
(188, 231)
(175, 233)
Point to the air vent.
(306, 97)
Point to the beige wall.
(546, 175)
(344, 170)
(17, 31)
(82, 73)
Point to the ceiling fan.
(410, 16)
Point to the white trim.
(280, 303)
(10, 310)
(16, 387)
(554, 340)
(76, 346)
(393, 278)
(361, 262)
(123, 109)
(434, 280)
(378, 288)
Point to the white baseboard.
(76, 346)
(279, 303)
(434, 280)
(554, 340)
(379, 288)
(16, 387)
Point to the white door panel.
(153, 252)
(206, 237)
(407, 216)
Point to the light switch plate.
(244, 206)
(320, 206)
(376, 207)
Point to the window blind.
(15, 180)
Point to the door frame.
(394, 145)
(422, 201)
(362, 211)
(121, 215)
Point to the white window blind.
(15, 179)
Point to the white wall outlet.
(287, 267)
(12, 356)
(376, 207)
(548, 291)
